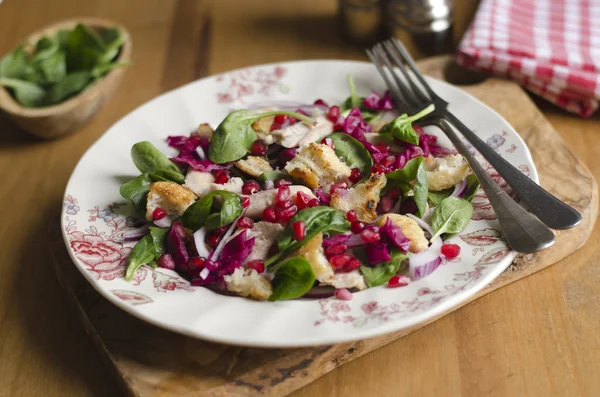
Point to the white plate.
(95, 216)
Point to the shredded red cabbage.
(176, 246)
(376, 102)
(176, 141)
(377, 253)
(335, 240)
(238, 248)
(392, 233)
(322, 196)
(166, 261)
(355, 126)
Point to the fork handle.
(523, 232)
(542, 204)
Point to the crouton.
(313, 252)
(265, 234)
(445, 172)
(353, 279)
(199, 182)
(169, 196)
(253, 165)
(410, 228)
(233, 185)
(262, 128)
(248, 283)
(266, 198)
(317, 165)
(363, 198)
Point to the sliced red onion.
(343, 294)
(201, 153)
(269, 185)
(459, 188)
(164, 222)
(355, 241)
(424, 225)
(425, 262)
(136, 234)
(199, 236)
(204, 273)
(319, 292)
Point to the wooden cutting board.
(153, 362)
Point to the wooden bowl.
(68, 116)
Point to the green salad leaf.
(382, 272)
(436, 197)
(413, 170)
(451, 216)
(401, 127)
(147, 158)
(294, 277)
(472, 187)
(318, 219)
(202, 212)
(13, 64)
(143, 253)
(272, 176)
(158, 235)
(420, 189)
(28, 94)
(353, 152)
(353, 101)
(136, 190)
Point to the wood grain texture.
(161, 363)
(536, 337)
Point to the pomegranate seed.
(245, 202)
(338, 125)
(377, 169)
(283, 204)
(336, 186)
(398, 281)
(387, 204)
(282, 182)
(197, 263)
(388, 160)
(314, 202)
(250, 187)
(337, 249)
(302, 200)
(270, 215)
(212, 239)
(221, 177)
(353, 264)
(418, 129)
(275, 127)
(283, 193)
(299, 230)
(339, 261)
(383, 147)
(355, 175)
(333, 114)
(166, 261)
(158, 214)
(393, 193)
(287, 214)
(408, 207)
(258, 148)
(328, 142)
(370, 236)
(351, 216)
(356, 227)
(450, 250)
(257, 265)
(321, 102)
(343, 294)
(245, 223)
(280, 119)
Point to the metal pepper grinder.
(425, 26)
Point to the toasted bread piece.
(249, 283)
(362, 198)
(169, 196)
(313, 252)
(253, 165)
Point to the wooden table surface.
(537, 337)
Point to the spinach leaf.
(451, 216)
(113, 39)
(199, 213)
(101, 70)
(353, 152)
(472, 187)
(353, 101)
(402, 177)
(13, 64)
(382, 272)
(45, 48)
(148, 158)
(437, 197)
(162, 175)
(62, 38)
(272, 176)
(158, 235)
(294, 277)
(420, 189)
(401, 127)
(319, 219)
(136, 190)
(28, 94)
(232, 138)
(53, 68)
(85, 48)
(71, 84)
(142, 254)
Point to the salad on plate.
(287, 200)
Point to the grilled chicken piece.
(363, 198)
(317, 165)
(445, 172)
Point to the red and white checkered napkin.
(551, 47)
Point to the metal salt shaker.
(362, 20)
(425, 26)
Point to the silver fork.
(523, 231)
(413, 92)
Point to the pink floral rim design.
(95, 218)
